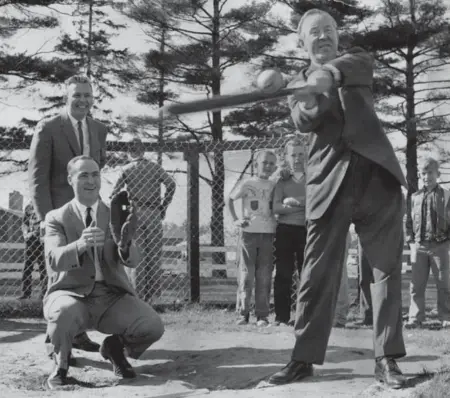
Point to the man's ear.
(69, 179)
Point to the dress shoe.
(413, 324)
(388, 372)
(293, 371)
(243, 320)
(84, 343)
(112, 350)
(57, 379)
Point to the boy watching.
(257, 232)
(428, 233)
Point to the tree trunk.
(162, 77)
(218, 183)
(411, 123)
(89, 44)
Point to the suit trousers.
(371, 198)
(107, 309)
(434, 256)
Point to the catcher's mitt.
(123, 220)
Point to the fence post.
(193, 221)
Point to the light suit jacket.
(344, 121)
(73, 274)
(53, 145)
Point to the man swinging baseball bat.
(353, 176)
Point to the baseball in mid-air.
(270, 81)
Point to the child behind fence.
(257, 226)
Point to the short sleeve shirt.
(257, 198)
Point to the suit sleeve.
(355, 68)
(410, 236)
(307, 120)
(61, 256)
(39, 171)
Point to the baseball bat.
(220, 102)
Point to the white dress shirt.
(86, 147)
(83, 212)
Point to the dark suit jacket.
(344, 121)
(53, 145)
(69, 273)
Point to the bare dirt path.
(189, 362)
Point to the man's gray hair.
(314, 11)
(78, 79)
(75, 160)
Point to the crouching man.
(87, 246)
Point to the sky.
(13, 107)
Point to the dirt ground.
(198, 358)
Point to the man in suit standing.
(88, 285)
(55, 142)
(353, 176)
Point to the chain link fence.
(167, 271)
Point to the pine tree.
(273, 118)
(412, 43)
(91, 51)
(208, 40)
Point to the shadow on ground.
(23, 330)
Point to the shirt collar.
(435, 189)
(75, 121)
(82, 209)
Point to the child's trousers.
(255, 270)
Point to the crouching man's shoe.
(57, 379)
(112, 350)
(293, 371)
(84, 343)
(388, 372)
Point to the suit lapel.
(69, 131)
